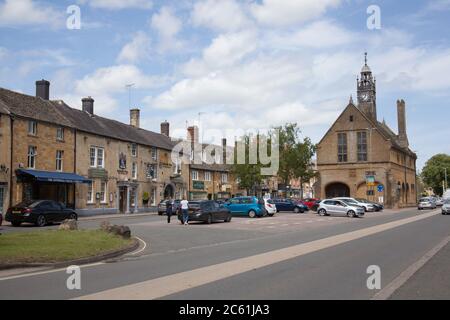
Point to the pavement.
(289, 256)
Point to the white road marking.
(24, 275)
(171, 284)
(142, 249)
(395, 284)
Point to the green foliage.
(57, 245)
(145, 196)
(433, 174)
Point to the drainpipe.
(74, 167)
(11, 117)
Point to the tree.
(433, 174)
(249, 175)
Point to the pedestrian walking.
(185, 210)
(169, 209)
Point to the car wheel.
(41, 221)
(296, 210)
(252, 213)
(228, 219)
(73, 216)
(16, 224)
(209, 221)
(351, 214)
(322, 212)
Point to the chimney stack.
(43, 89)
(192, 134)
(88, 105)
(165, 128)
(401, 116)
(224, 150)
(135, 115)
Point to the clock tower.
(367, 93)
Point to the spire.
(365, 57)
(366, 67)
(351, 100)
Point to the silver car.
(426, 203)
(338, 207)
(446, 207)
(368, 207)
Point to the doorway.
(337, 190)
(122, 199)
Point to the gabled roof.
(59, 113)
(382, 128)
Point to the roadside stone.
(68, 225)
(122, 231)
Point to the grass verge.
(57, 246)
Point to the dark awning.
(49, 176)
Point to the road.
(289, 256)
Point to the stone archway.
(169, 191)
(337, 189)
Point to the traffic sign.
(380, 188)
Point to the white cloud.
(137, 49)
(224, 51)
(167, 25)
(104, 83)
(288, 12)
(222, 15)
(28, 12)
(321, 34)
(119, 4)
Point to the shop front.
(48, 185)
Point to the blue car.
(247, 206)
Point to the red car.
(310, 202)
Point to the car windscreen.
(424, 200)
(270, 201)
(194, 204)
(29, 203)
(447, 201)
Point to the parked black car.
(316, 205)
(290, 205)
(39, 212)
(207, 211)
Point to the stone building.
(209, 178)
(363, 158)
(94, 164)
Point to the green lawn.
(57, 246)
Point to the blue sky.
(240, 64)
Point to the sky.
(230, 65)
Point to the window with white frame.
(90, 193)
(32, 153)
(134, 170)
(207, 176)
(194, 175)
(224, 178)
(134, 150)
(96, 157)
(151, 171)
(32, 127)
(154, 153)
(103, 192)
(59, 160)
(60, 133)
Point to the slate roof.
(59, 113)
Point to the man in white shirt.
(185, 210)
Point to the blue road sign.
(380, 188)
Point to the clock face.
(365, 97)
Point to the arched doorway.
(169, 191)
(337, 189)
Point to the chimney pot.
(88, 105)
(135, 115)
(165, 128)
(192, 134)
(43, 89)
